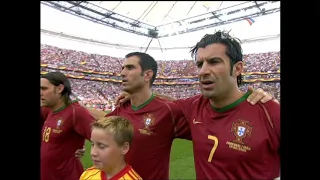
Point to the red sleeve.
(273, 111)
(83, 121)
(43, 116)
(186, 105)
(180, 122)
(113, 113)
(44, 113)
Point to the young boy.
(111, 138)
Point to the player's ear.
(237, 68)
(59, 88)
(148, 75)
(125, 148)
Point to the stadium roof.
(58, 26)
(162, 12)
(169, 18)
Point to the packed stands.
(95, 78)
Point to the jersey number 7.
(215, 145)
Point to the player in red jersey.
(157, 122)
(111, 139)
(153, 119)
(65, 129)
(44, 114)
(232, 139)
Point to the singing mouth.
(207, 82)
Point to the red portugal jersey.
(156, 123)
(43, 116)
(126, 173)
(239, 141)
(63, 132)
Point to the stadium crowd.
(100, 94)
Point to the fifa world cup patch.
(241, 130)
(148, 121)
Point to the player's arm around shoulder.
(82, 121)
(44, 112)
(186, 104)
(180, 122)
(168, 98)
(97, 114)
(273, 109)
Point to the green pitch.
(181, 161)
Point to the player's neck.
(227, 99)
(140, 97)
(60, 103)
(110, 172)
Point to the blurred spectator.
(99, 94)
(262, 62)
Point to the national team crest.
(148, 120)
(241, 130)
(59, 123)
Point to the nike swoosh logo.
(196, 122)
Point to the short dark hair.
(234, 50)
(146, 62)
(57, 78)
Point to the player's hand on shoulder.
(82, 104)
(168, 98)
(122, 98)
(259, 95)
(80, 152)
(276, 101)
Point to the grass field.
(181, 160)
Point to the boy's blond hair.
(119, 126)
